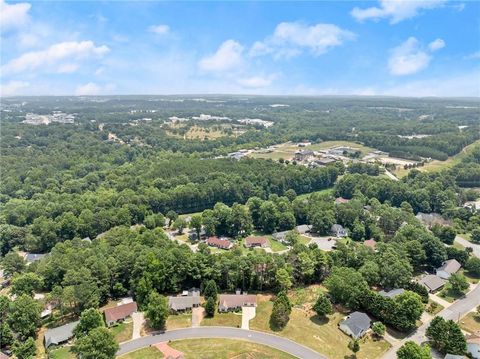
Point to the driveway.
(454, 312)
(197, 316)
(465, 243)
(324, 243)
(248, 313)
(138, 321)
(270, 340)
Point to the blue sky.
(405, 48)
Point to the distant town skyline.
(393, 48)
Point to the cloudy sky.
(406, 48)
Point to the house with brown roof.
(341, 200)
(230, 302)
(119, 313)
(219, 243)
(254, 241)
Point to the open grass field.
(145, 353)
(436, 165)
(223, 320)
(226, 349)
(470, 322)
(319, 334)
(213, 349)
(122, 331)
(176, 321)
(287, 150)
(323, 191)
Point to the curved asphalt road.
(270, 340)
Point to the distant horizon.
(422, 48)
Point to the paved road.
(391, 175)
(465, 243)
(454, 312)
(270, 340)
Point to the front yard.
(223, 320)
(319, 334)
(177, 321)
(471, 322)
(123, 331)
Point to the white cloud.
(88, 89)
(474, 56)
(436, 45)
(395, 10)
(292, 38)
(67, 68)
(159, 29)
(256, 81)
(410, 57)
(227, 57)
(53, 56)
(12, 88)
(13, 16)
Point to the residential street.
(465, 243)
(270, 340)
(456, 311)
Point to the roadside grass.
(123, 331)
(223, 320)
(145, 353)
(304, 240)
(176, 321)
(61, 353)
(276, 246)
(317, 333)
(470, 322)
(474, 279)
(226, 349)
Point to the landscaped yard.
(448, 294)
(145, 353)
(470, 322)
(61, 353)
(183, 320)
(226, 349)
(122, 331)
(433, 307)
(276, 246)
(223, 320)
(321, 335)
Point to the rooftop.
(120, 312)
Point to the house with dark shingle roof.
(59, 335)
(392, 293)
(448, 268)
(355, 325)
(33, 257)
(119, 313)
(180, 304)
(432, 282)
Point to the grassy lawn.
(61, 353)
(223, 320)
(448, 294)
(433, 307)
(470, 322)
(304, 240)
(323, 191)
(276, 245)
(226, 349)
(182, 320)
(145, 353)
(122, 331)
(321, 335)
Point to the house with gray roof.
(448, 268)
(392, 293)
(59, 335)
(355, 325)
(181, 304)
(432, 282)
(280, 236)
(453, 356)
(338, 231)
(33, 257)
(303, 228)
